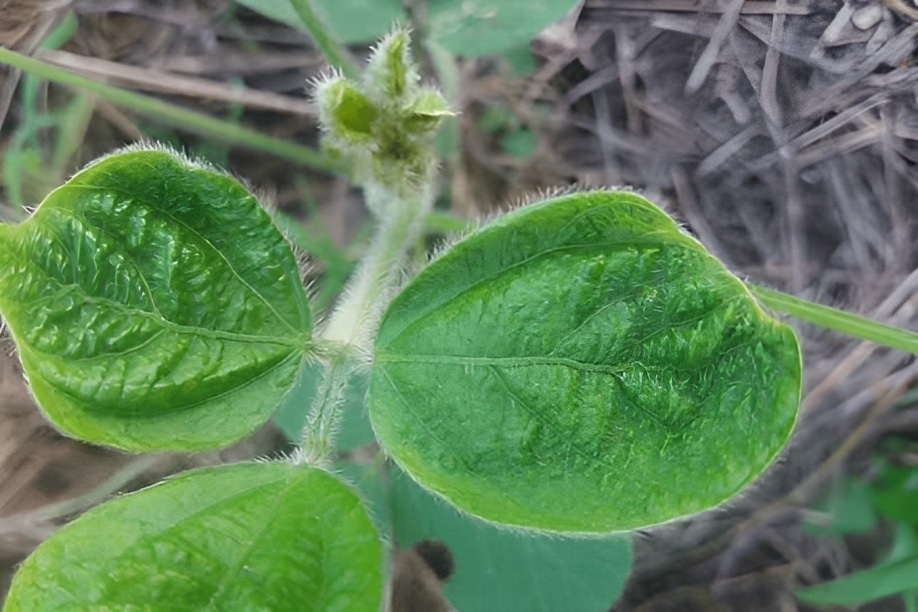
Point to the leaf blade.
(479, 27)
(566, 352)
(471, 28)
(144, 289)
(500, 569)
(351, 21)
(254, 536)
(866, 585)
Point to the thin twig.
(159, 81)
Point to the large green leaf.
(154, 304)
(501, 569)
(486, 27)
(352, 21)
(582, 365)
(251, 536)
(464, 27)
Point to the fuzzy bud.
(384, 125)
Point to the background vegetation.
(784, 135)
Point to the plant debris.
(786, 136)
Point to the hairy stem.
(357, 316)
(316, 446)
(354, 321)
(839, 320)
(333, 51)
(384, 125)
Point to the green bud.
(347, 114)
(391, 73)
(424, 114)
(383, 126)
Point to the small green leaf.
(154, 304)
(346, 113)
(582, 365)
(390, 69)
(519, 143)
(250, 536)
(426, 112)
(497, 119)
(520, 59)
(850, 509)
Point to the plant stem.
(325, 412)
(356, 317)
(839, 320)
(333, 50)
(385, 125)
(192, 121)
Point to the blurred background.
(782, 133)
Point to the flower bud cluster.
(383, 126)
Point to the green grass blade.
(192, 121)
(328, 44)
(839, 320)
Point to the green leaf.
(352, 21)
(520, 143)
(427, 112)
(520, 59)
(154, 304)
(499, 569)
(471, 27)
(896, 493)
(250, 536)
(346, 111)
(582, 365)
(484, 27)
(867, 585)
(849, 507)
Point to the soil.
(783, 134)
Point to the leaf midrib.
(434, 305)
(158, 211)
